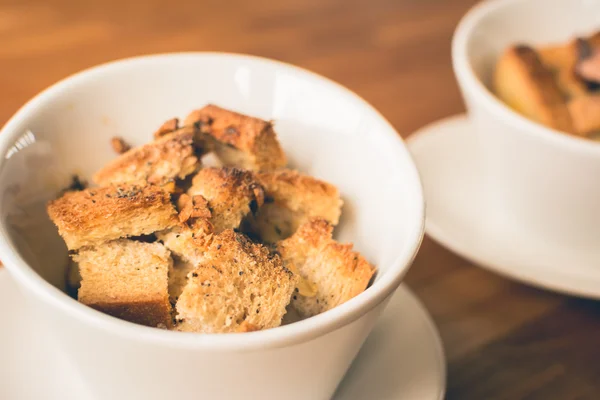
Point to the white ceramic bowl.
(326, 130)
(541, 179)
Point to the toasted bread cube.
(564, 61)
(93, 216)
(291, 199)
(128, 280)
(232, 194)
(338, 273)
(561, 60)
(169, 157)
(585, 111)
(239, 287)
(178, 277)
(188, 241)
(239, 140)
(528, 86)
(167, 127)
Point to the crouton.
(191, 207)
(178, 276)
(239, 140)
(128, 280)
(167, 127)
(119, 145)
(337, 272)
(232, 194)
(170, 157)
(565, 62)
(188, 241)
(291, 199)
(524, 83)
(97, 215)
(561, 61)
(585, 111)
(239, 287)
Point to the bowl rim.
(470, 82)
(271, 338)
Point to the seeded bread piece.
(128, 280)
(338, 273)
(291, 198)
(93, 216)
(239, 140)
(231, 193)
(525, 84)
(171, 156)
(178, 276)
(239, 287)
(188, 241)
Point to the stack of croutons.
(165, 242)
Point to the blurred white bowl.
(326, 130)
(538, 178)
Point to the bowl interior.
(325, 130)
(533, 22)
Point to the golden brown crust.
(528, 86)
(338, 273)
(304, 193)
(247, 327)
(240, 286)
(128, 280)
(565, 61)
(291, 199)
(241, 141)
(561, 60)
(231, 193)
(191, 207)
(119, 145)
(585, 111)
(167, 127)
(172, 156)
(188, 241)
(99, 215)
(555, 85)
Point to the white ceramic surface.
(402, 357)
(543, 180)
(460, 217)
(326, 130)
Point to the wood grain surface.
(503, 340)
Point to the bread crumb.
(119, 145)
(167, 127)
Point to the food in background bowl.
(166, 241)
(558, 85)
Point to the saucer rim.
(435, 337)
(555, 280)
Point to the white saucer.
(459, 218)
(402, 358)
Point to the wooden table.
(503, 340)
